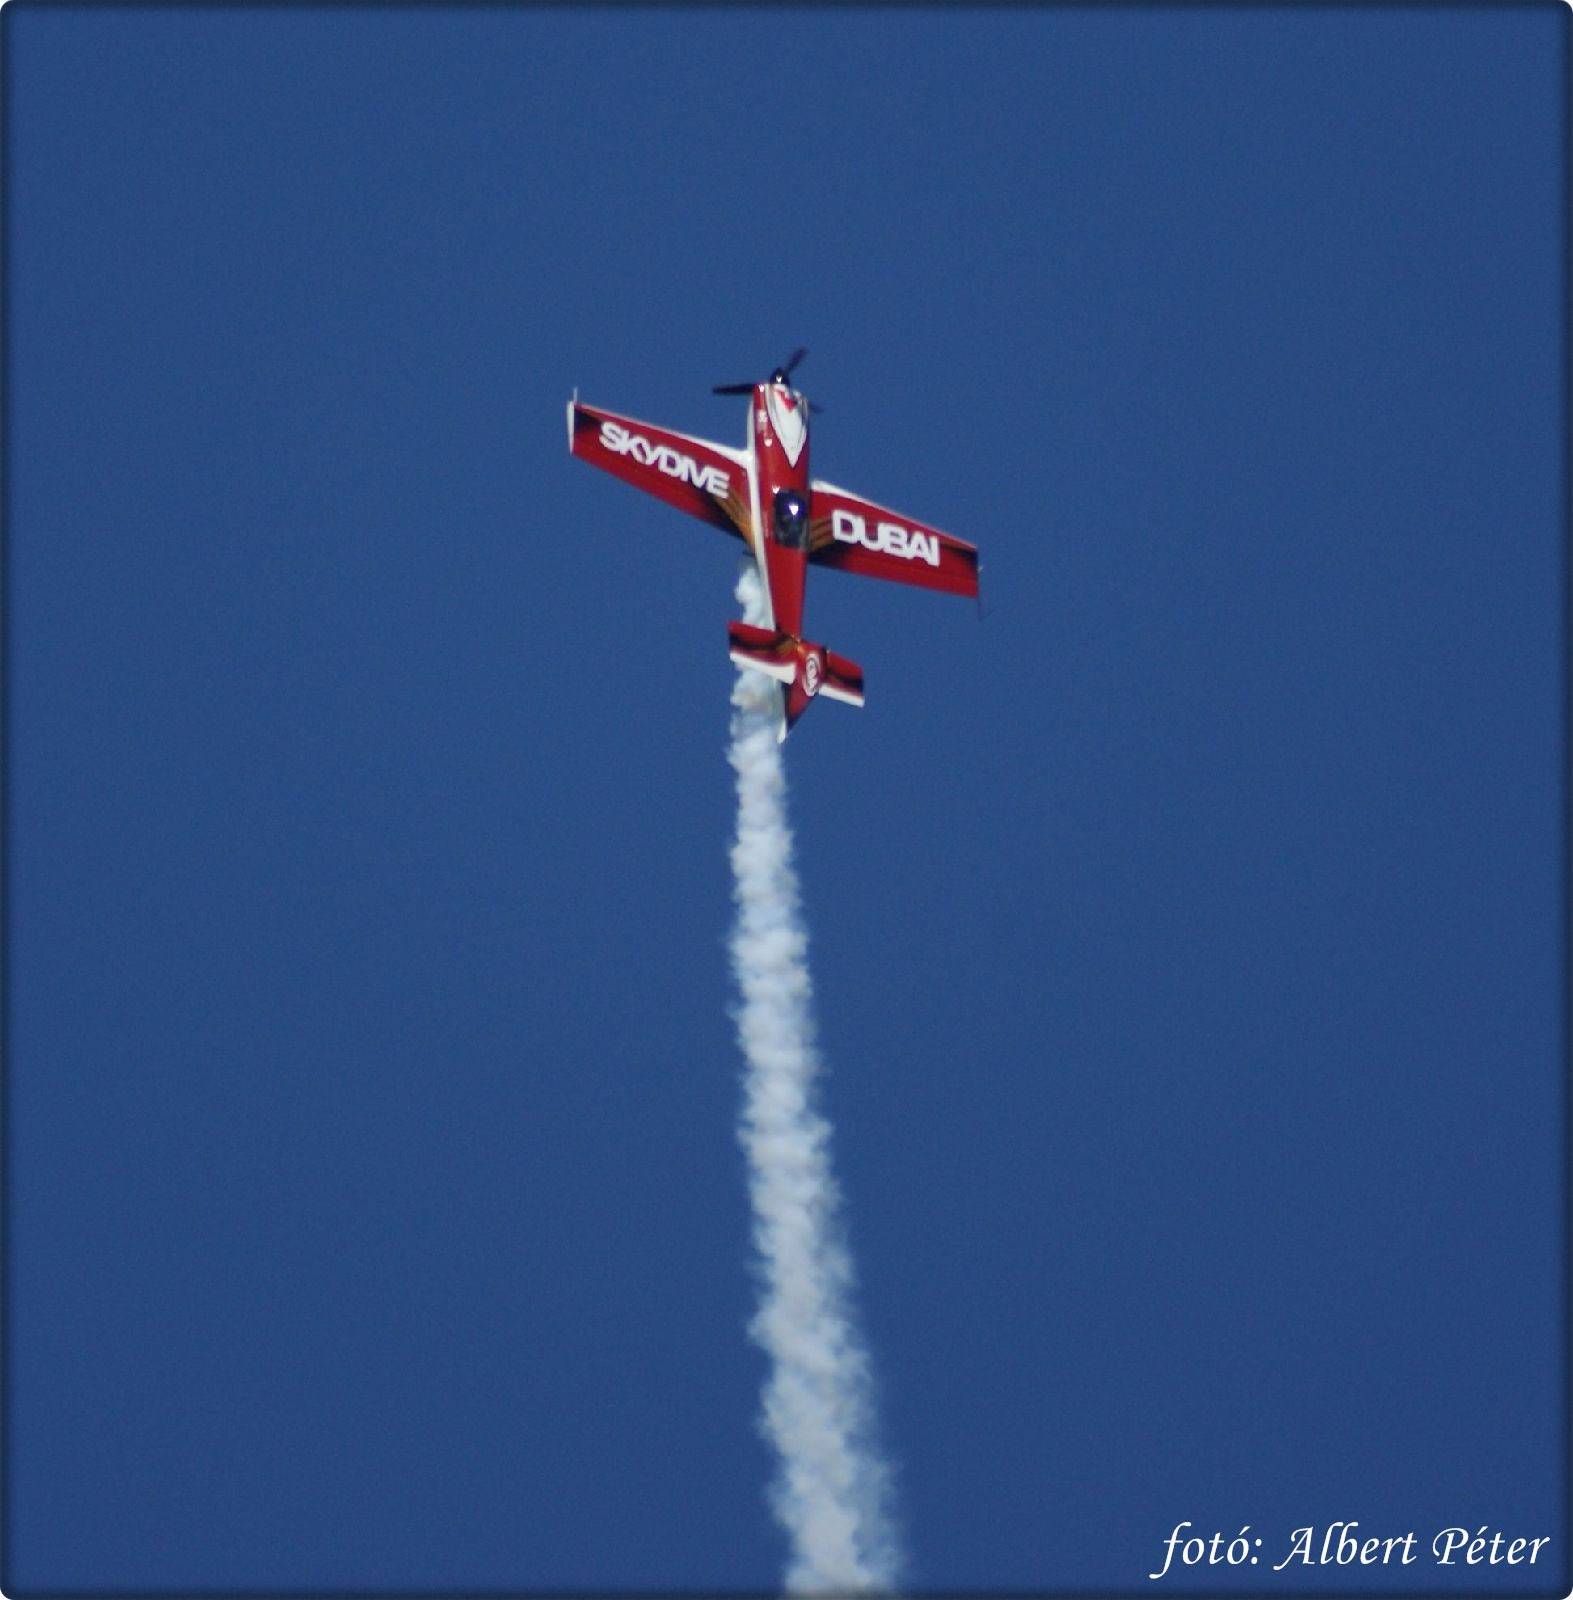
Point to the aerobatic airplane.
(764, 496)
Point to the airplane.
(764, 496)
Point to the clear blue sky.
(1188, 933)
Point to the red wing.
(706, 480)
(856, 535)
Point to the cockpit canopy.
(791, 519)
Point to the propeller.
(782, 374)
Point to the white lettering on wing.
(664, 458)
(888, 538)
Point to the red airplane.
(763, 495)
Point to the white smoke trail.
(833, 1490)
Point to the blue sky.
(1188, 933)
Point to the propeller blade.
(780, 375)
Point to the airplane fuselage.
(778, 446)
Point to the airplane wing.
(706, 480)
(856, 535)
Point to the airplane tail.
(804, 670)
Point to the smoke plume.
(832, 1492)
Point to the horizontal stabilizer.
(804, 670)
(843, 680)
(765, 650)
